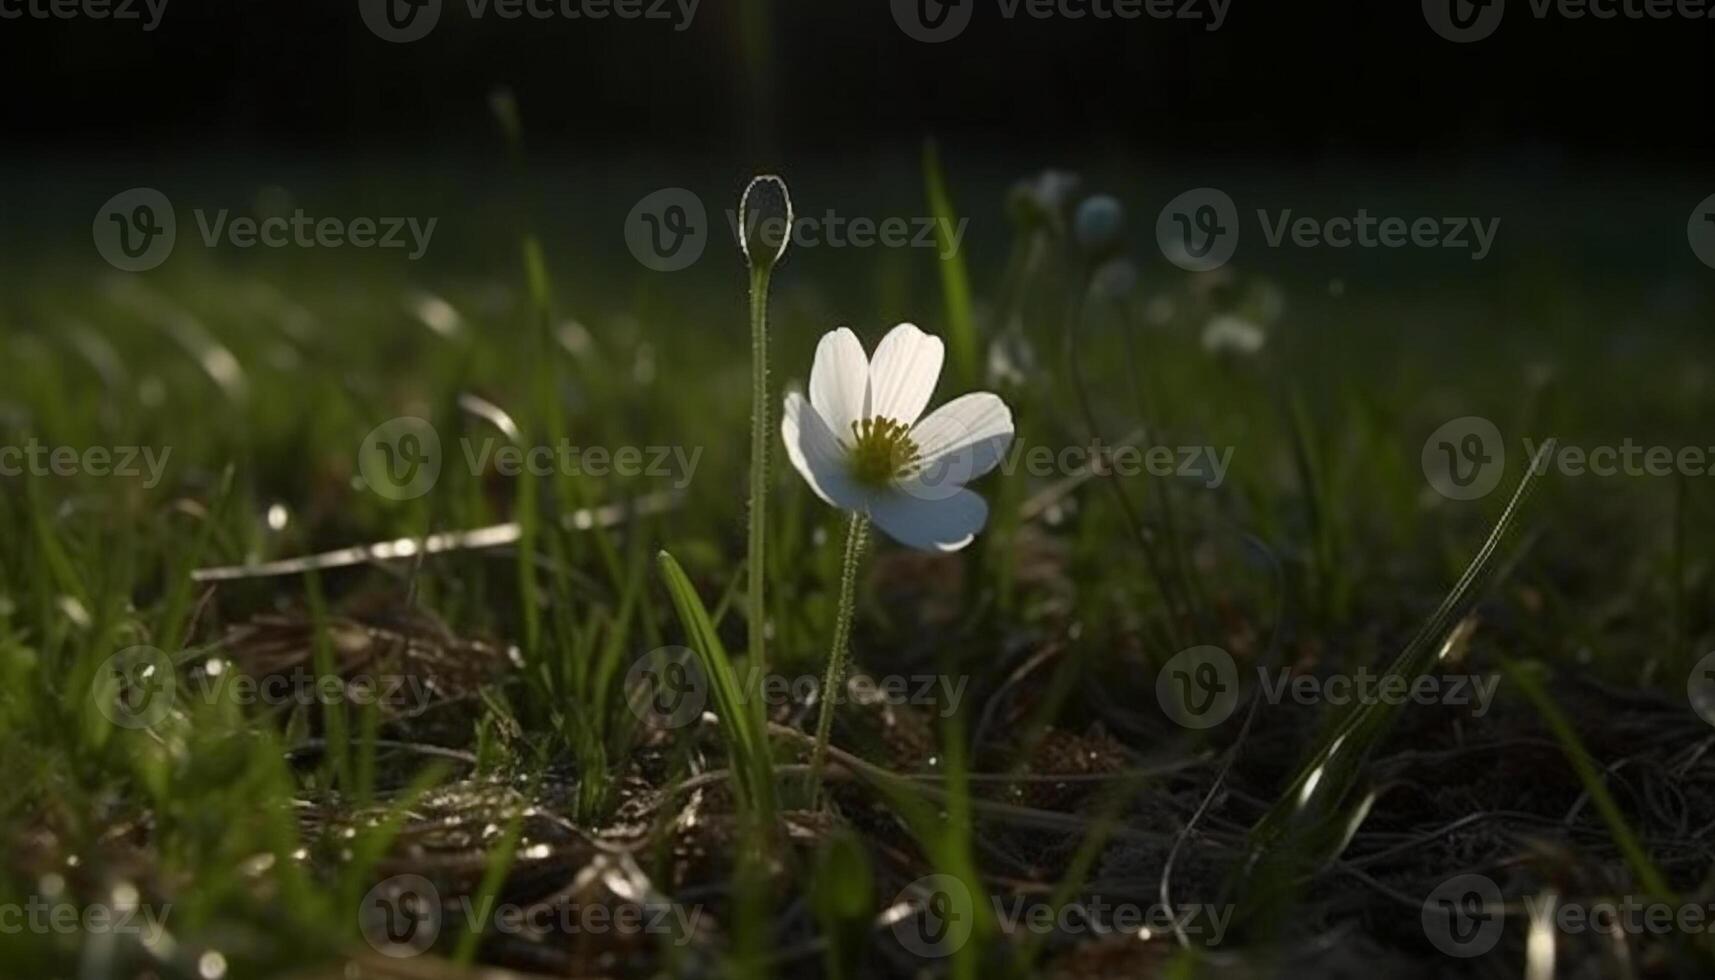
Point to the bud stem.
(756, 563)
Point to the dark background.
(1279, 80)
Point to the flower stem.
(856, 534)
(756, 564)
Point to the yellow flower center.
(881, 452)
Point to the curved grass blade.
(740, 714)
(1314, 818)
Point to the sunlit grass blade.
(955, 278)
(1314, 817)
(740, 714)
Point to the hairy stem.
(856, 533)
(756, 564)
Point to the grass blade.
(740, 714)
(1314, 817)
(955, 278)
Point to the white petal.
(962, 440)
(818, 458)
(947, 524)
(839, 381)
(903, 374)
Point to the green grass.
(1323, 548)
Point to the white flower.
(1227, 333)
(863, 445)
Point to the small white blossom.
(863, 444)
(1227, 333)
